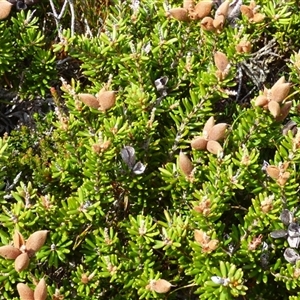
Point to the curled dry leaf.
(214, 147)
(185, 164)
(21, 262)
(221, 61)
(207, 24)
(40, 292)
(25, 292)
(106, 99)
(180, 14)
(5, 9)
(36, 241)
(9, 252)
(161, 286)
(89, 100)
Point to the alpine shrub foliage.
(171, 171)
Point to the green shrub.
(131, 208)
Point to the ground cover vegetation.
(149, 149)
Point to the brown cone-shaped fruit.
(208, 126)
(217, 133)
(261, 101)
(207, 24)
(221, 61)
(185, 164)
(5, 8)
(89, 100)
(18, 239)
(40, 292)
(274, 108)
(223, 9)
(243, 47)
(188, 4)
(21, 262)
(219, 22)
(273, 171)
(284, 111)
(203, 9)
(280, 91)
(199, 143)
(9, 252)
(180, 14)
(247, 11)
(161, 286)
(25, 292)
(214, 147)
(257, 18)
(36, 241)
(106, 99)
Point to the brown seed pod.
(273, 171)
(243, 47)
(207, 24)
(217, 133)
(5, 8)
(247, 11)
(180, 14)
(203, 9)
(21, 262)
(221, 61)
(25, 292)
(284, 111)
(36, 241)
(185, 164)
(223, 9)
(40, 292)
(208, 126)
(84, 278)
(266, 205)
(160, 286)
(279, 91)
(201, 237)
(211, 246)
(214, 147)
(9, 252)
(106, 99)
(199, 143)
(89, 100)
(218, 22)
(283, 178)
(188, 4)
(274, 108)
(258, 17)
(261, 101)
(18, 239)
